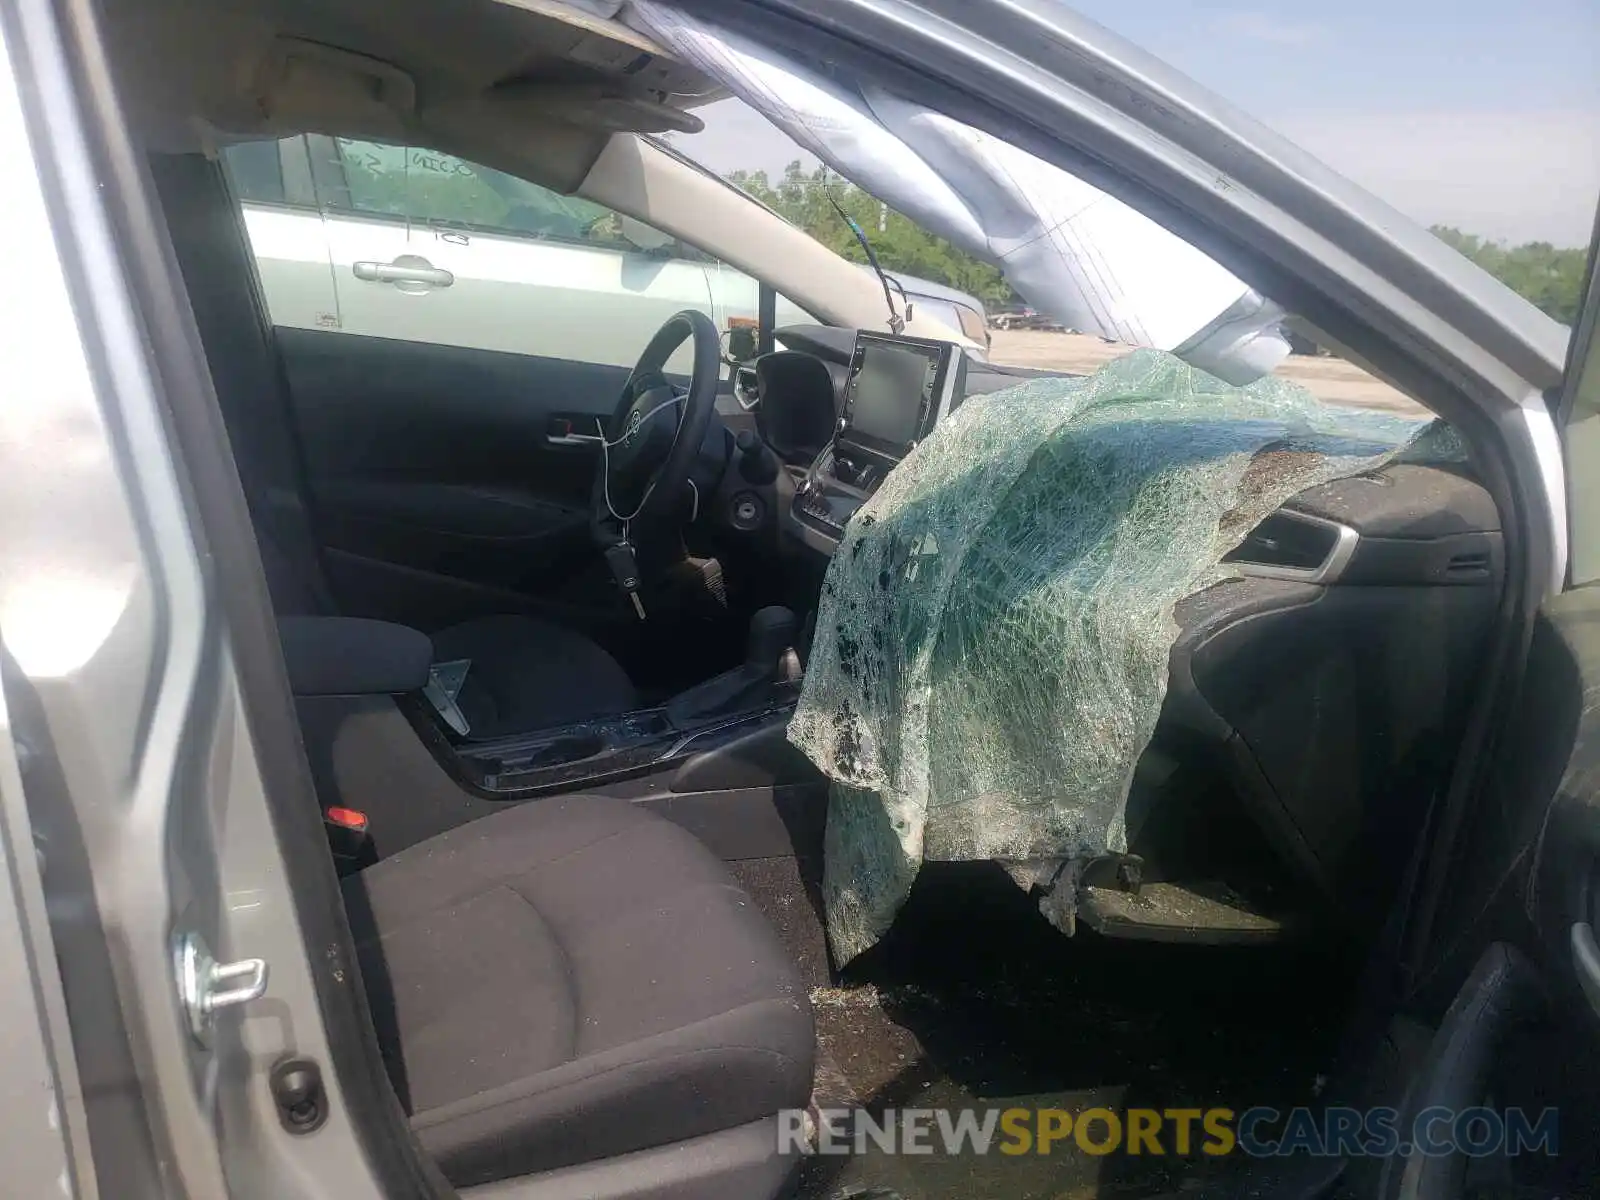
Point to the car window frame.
(1577, 414)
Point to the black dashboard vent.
(1472, 564)
(746, 388)
(1283, 541)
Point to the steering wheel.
(655, 432)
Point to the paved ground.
(972, 1002)
(1330, 379)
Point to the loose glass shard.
(444, 685)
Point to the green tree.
(1548, 277)
(802, 198)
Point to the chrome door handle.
(407, 269)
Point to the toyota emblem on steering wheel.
(634, 420)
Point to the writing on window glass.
(452, 194)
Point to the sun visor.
(300, 85)
(1072, 251)
(193, 75)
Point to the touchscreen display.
(891, 391)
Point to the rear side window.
(409, 243)
(444, 191)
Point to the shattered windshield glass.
(992, 643)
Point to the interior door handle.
(569, 431)
(410, 269)
(1586, 962)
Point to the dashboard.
(1405, 524)
(1313, 698)
(895, 391)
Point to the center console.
(608, 748)
(392, 771)
(749, 705)
(897, 391)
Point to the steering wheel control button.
(746, 512)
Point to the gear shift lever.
(769, 658)
(771, 636)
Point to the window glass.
(407, 243)
(256, 171)
(582, 282)
(439, 189)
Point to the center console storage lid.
(344, 656)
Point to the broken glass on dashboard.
(992, 643)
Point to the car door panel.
(292, 262)
(1530, 853)
(1564, 893)
(439, 458)
(1510, 890)
(517, 295)
(1523, 881)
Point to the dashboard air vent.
(1472, 564)
(1281, 540)
(746, 388)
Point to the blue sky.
(1478, 114)
(1375, 55)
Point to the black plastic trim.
(766, 318)
(1502, 990)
